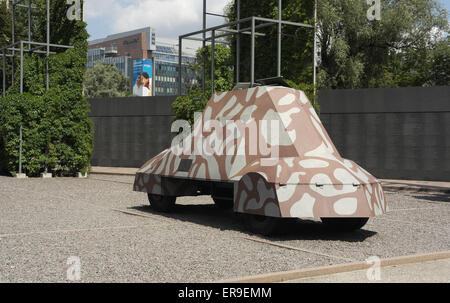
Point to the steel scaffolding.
(225, 30)
(28, 46)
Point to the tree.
(223, 67)
(405, 48)
(104, 80)
(395, 51)
(185, 106)
(6, 37)
(297, 42)
(62, 110)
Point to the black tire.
(262, 225)
(223, 203)
(161, 203)
(344, 224)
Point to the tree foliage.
(104, 80)
(57, 131)
(296, 42)
(223, 67)
(404, 48)
(185, 106)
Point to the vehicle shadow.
(290, 229)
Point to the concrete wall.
(399, 133)
(394, 133)
(130, 131)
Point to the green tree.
(6, 36)
(68, 147)
(185, 106)
(404, 48)
(104, 80)
(297, 42)
(223, 67)
(396, 51)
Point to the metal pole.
(13, 9)
(203, 46)
(252, 54)
(213, 46)
(4, 73)
(153, 92)
(279, 40)
(47, 83)
(20, 149)
(315, 47)
(238, 40)
(21, 67)
(13, 16)
(180, 72)
(29, 23)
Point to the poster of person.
(142, 77)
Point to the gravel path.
(44, 222)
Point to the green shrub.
(56, 135)
(185, 106)
(57, 130)
(39, 131)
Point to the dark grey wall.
(399, 133)
(130, 131)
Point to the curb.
(334, 269)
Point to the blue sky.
(170, 18)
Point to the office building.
(128, 50)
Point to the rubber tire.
(223, 203)
(262, 225)
(345, 224)
(161, 203)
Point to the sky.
(170, 18)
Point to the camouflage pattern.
(307, 178)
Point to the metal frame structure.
(20, 46)
(225, 30)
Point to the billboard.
(142, 77)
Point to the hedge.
(54, 138)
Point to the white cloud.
(170, 18)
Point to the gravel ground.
(44, 222)
(430, 272)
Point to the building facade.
(124, 49)
(166, 69)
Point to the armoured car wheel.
(345, 224)
(223, 203)
(261, 224)
(161, 203)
